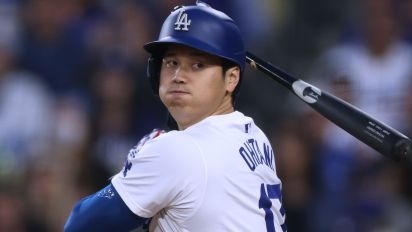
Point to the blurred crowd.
(74, 99)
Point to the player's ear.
(232, 77)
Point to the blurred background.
(74, 99)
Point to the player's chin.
(176, 103)
(177, 98)
(181, 113)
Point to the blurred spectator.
(12, 211)
(119, 34)
(293, 163)
(406, 13)
(118, 120)
(375, 68)
(25, 107)
(116, 42)
(113, 119)
(39, 189)
(52, 45)
(26, 129)
(373, 71)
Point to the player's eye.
(198, 65)
(169, 62)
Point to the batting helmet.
(200, 27)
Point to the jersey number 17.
(271, 192)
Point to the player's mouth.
(178, 92)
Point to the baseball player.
(216, 170)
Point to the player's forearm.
(102, 211)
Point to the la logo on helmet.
(182, 22)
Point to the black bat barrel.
(379, 136)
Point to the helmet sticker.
(182, 22)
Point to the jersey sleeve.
(105, 207)
(167, 171)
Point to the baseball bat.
(381, 137)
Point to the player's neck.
(225, 108)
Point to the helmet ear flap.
(153, 73)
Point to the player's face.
(193, 86)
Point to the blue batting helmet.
(200, 27)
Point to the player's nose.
(180, 75)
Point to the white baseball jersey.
(217, 175)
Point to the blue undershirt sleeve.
(103, 211)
